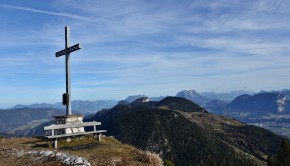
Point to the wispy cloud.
(152, 48)
(43, 11)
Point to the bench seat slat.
(63, 126)
(75, 134)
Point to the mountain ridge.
(157, 127)
(83, 106)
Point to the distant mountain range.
(97, 105)
(225, 97)
(77, 105)
(268, 109)
(193, 96)
(261, 103)
(205, 98)
(134, 97)
(84, 107)
(94, 106)
(264, 108)
(185, 133)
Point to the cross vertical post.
(67, 69)
(66, 52)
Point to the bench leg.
(97, 136)
(55, 143)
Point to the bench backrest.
(63, 126)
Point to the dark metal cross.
(67, 96)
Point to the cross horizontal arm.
(68, 50)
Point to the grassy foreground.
(109, 151)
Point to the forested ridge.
(160, 128)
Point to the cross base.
(69, 119)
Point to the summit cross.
(67, 96)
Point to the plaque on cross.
(66, 52)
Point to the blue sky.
(142, 47)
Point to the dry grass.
(212, 121)
(109, 151)
(9, 157)
(148, 157)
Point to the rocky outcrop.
(50, 155)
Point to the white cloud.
(43, 11)
(152, 47)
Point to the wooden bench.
(54, 127)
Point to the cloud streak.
(68, 15)
(153, 48)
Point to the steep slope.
(250, 139)
(165, 127)
(11, 119)
(261, 103)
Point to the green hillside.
(181, 104)
(196, 141)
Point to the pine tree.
(270, 161)
(283, 156)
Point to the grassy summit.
(109, 151)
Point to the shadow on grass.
(77, 143)
(87, 146)
(41, 142)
